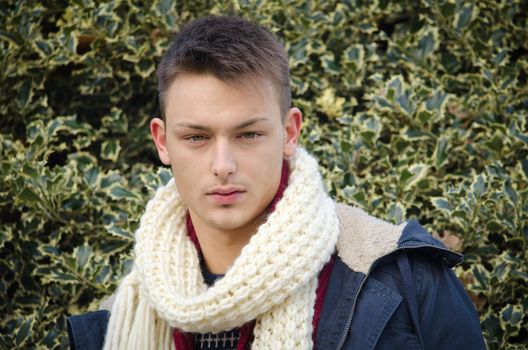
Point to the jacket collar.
(414, 236)
(364, 239)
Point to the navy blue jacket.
(408, 299)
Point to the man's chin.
(234, 222)
(229, 225)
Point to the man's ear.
(292, 130)
(157, 130)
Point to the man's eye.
(250, 135)
(196, 138)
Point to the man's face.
(225, 144)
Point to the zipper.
(349, 320)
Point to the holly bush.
(415, 109)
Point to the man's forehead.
(196, 98)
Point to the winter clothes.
(390, 287)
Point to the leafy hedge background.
(416, 109)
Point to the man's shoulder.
(87, 331)
(364, 239)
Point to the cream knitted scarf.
(273, 280)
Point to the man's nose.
(224, 163)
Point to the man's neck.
(220, 248)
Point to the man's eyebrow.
(251, 122)
(239, 126)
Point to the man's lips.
(226, 195)
(225, 190)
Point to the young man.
(244, 249)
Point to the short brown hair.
(230, 48)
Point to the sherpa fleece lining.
(363, 238)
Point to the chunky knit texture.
(272, 281)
